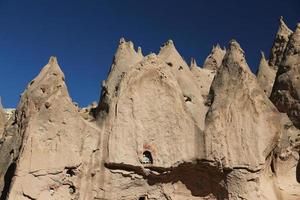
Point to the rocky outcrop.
(235, 136)
(124, 58)
(267, 69)
(2, 119)
(214, 59)
(55, 146)
(286, 90)
(280, 42)
(162, 130)
(266, 75)
(204, 77)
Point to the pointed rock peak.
(52, 67)
(122, 40)
(234, 45)
(214, 59)
(123, 44)
(217, 47)
(297, 28)
(1, 106)
(140, 51)
(263, 62)
(235, 56)
(262, 55)
(126, 55)
(52, 60)
(235, 48)
(168, 44)
(50, 73)
(193, 63)
(283, 28)
(169, 53)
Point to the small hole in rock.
(186, 98)
(180, 68)
(47, 105)
(72, 189)
(43, 90)
(70, 172)
(147, 158)
(142, 198)
(51, 190)
(170, 64)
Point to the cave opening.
(7, 180)
(142, 198)
(70, 172)
(147, 158)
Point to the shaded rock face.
(2, 119)
(280, 43)
(162, 130)
(286, 90)
(268, 68)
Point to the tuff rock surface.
(286, 91)
(268, 68)
(2, 119)
(162, 130)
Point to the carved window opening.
(147, 158)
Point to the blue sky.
(84, 35)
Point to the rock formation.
(162, 130)
(286, 91)
(266, 75)
(214, 59)
(267, 69)
(2, 119)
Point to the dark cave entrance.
(7, 180)
(142, 198)
(147, 158)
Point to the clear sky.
(84, 34)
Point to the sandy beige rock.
(266, 75)
(2, 119)
(214, 59)
(162, 131)
(57, 144)
(236, 124)
(159, 109)
(204, 77)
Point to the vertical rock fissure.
(7, 180)
(298, 171)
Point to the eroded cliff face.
(268, 68)
(2, 119)
(162, 130)
(286, 90)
